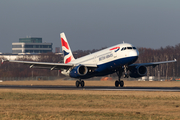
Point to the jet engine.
(78, 71)
(138, 71)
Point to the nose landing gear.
(119, 82)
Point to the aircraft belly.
(109, 67)
(112, 65)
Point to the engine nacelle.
(138, 71)
(78, 71)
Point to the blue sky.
(91, 24)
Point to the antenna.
(123, 42)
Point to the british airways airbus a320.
(118, 58)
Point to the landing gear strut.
(119, 82)
(80, 82)
(125, 71)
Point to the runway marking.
(92, 88)
(153, 90)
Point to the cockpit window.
(134, 47)
(129, 48)
(124, 48)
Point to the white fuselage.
(107, 55)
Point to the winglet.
(175, 59)
(2, 61)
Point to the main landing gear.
(80, 82)
(119, 82)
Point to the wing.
(152, 64)
(48, 65)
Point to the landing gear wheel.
(117, 83)
(77, 84)
(121, 83)
(82, 83)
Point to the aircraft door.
(115, 54)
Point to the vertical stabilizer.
(68, 56)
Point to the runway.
(92, 88)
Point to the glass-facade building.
(30, 40)
(31, 45)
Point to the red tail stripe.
(68, 59)
(64, 43)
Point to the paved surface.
(102, 88)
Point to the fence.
(30, 78)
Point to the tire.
(117, 83)
(77, 84)
(82, 83)
(121, 83)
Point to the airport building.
(31, 45)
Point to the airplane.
(116, 59)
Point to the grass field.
(82, 104)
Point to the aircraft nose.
(133, 53)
